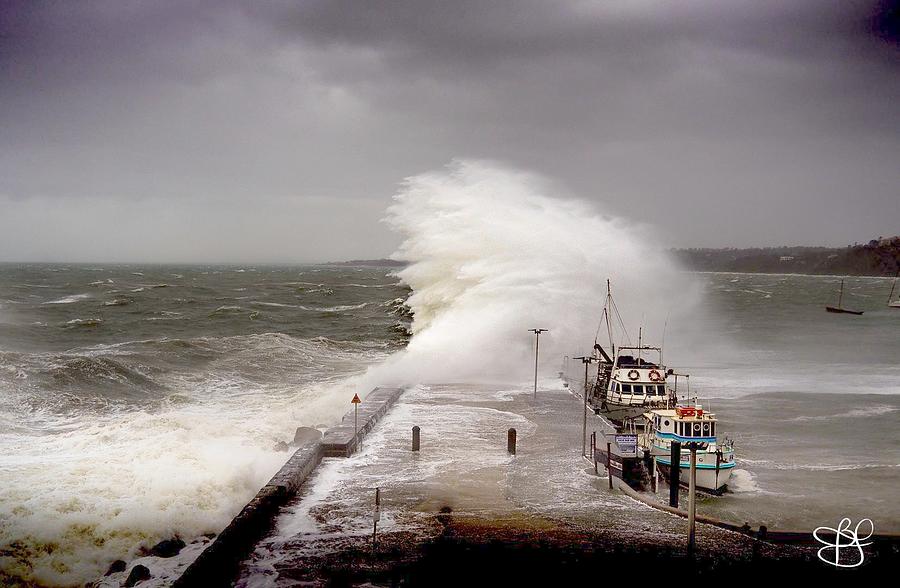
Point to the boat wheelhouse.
(629, 385)
(691, 425)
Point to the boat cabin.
(632, 380)
(685, 424)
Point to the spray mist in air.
(494, 251)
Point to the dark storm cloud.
(734, 122)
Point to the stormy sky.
(274, 130)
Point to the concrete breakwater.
(217, 564)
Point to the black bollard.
(511, 441)
(415, 443)
(674, 473)
(608, 464)
(760, 536)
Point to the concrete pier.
(459, 503)
(218, 563)
(342, 440)
(465, 478)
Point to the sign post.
(355, 403)
(627, 445)
(376, 516)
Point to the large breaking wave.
(493, 252)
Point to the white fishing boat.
(629, 385)
(690, 425)
(632, 381)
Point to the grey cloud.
(735, 122)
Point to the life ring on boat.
(706, 427)
(655, 376)
(634, 375)
(697, 427)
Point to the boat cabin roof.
(631, 361)
(684, 413)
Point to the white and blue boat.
(690, 424)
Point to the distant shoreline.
(878, 257)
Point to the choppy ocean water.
(139, 402)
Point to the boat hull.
(619, 413)
(710, 480)
(842, 310)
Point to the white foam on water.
(743, 481)
(867, 412)
(69, 299)
(77, 495)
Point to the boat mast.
(640, 337)
(606, 314)
(893, 285)
(841, 294)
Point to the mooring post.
(608, 464)
(650, 463)
(674, 473)
(511, 441)
(760, 536)
(415, 440)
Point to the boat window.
(712, 431)
(661, 390)
(638, 389)
(618, 387)
(626, 387)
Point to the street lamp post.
(587, 362)
(537, 343)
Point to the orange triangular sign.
(356, 399)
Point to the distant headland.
(370, 263)
(878, 257)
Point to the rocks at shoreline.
(167, 548)
(116, 567)
(304, 435)
(138, 574)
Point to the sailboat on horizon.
(839, 308)
(891, 302)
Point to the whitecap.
(743, 481)
(69, 299)
(855, 413)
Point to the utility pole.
(537, 344)
(692, 496)
(587, 362)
